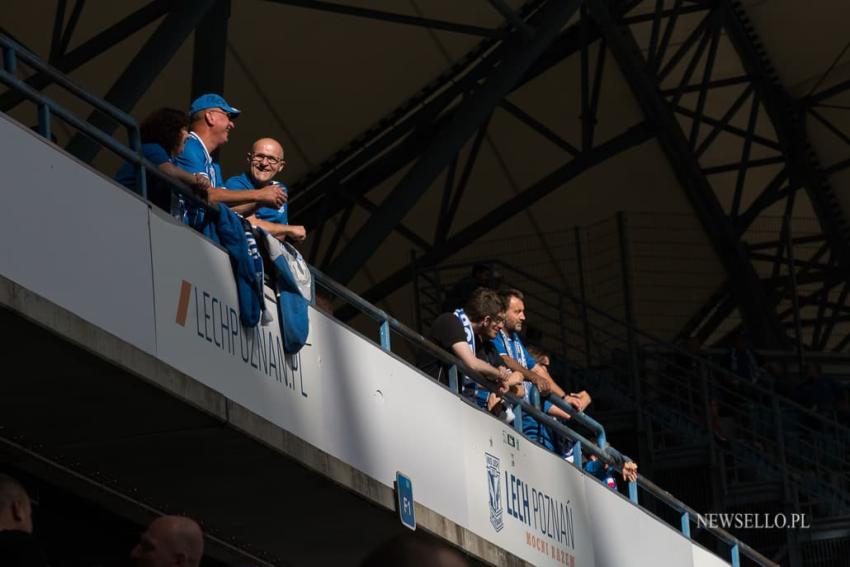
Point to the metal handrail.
(12, 51)
(608, 454)
(601, 449)
(716, 368)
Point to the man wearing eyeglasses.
(467, 334)
(265, 161)
(211, 120)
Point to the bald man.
(170, 541)
(265, 161)
(18, 548)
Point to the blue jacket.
(245, 260)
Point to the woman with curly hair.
(164, 133)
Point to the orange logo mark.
(183, 304)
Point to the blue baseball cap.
(211, 100)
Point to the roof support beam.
(632, 137)
(210, 51)
(391, 17)
(448, 141)
(790, 130)
(87, 51)
(755, 306)
(143, 70)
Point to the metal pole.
(583, 291)
(628, 306)
(563, 328)
(9, 60)
(795, 301)
(44, 120)
(417, 306)
(385, 335)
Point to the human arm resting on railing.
(544, 383)
(280, 231)
(505, 378)
(271, 196)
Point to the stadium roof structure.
(433, 125)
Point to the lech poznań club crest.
(495, 489)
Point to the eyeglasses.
(271, 159)
(229, 116)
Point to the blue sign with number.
(404, 490)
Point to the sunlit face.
(515, 315)
(491, 326)
(265, 161)
(221, 123)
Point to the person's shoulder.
(192, 156)
(240, 181)
(445, 319)
(155, 153)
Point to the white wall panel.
(74, 237)
(624, 534)
(703, 558)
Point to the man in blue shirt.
(516, 357)
(265, 161)
(211, 120)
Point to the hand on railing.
(629, 471)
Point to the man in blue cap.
(211, 119)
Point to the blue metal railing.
(47, 107)
(817, 445)
(12, 52)
(582, 445)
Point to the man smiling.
(265, 161)
(211, 120)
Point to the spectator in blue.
(164, 133)
(466, 333)
(211, 120)
(265, 161)
(515, 356)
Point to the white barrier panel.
(523, 498)
(349, 398)
(703, 558)
(74, 237)
(87, 250)
(623, 533)
(341, 393)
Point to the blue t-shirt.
(597, 468)
(511, 345)
(243, 181)
(158, 193)
(196, 159)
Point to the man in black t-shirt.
(467, 333)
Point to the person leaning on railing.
(265, 161)
(164, 133)
(211, 120)
(467, 333)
